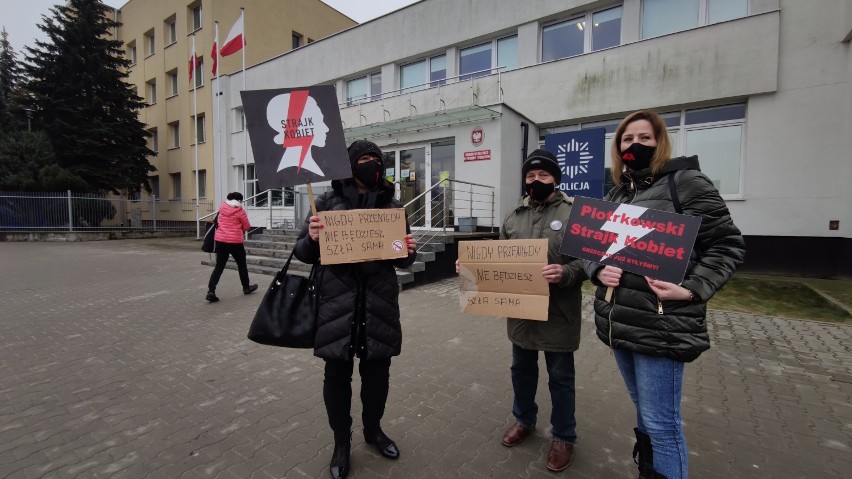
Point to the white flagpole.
(245, 131)
(195, 120)
(217, 146)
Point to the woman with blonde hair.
(654, 327)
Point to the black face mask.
(540, 191)
(368, 173)
(638, 156)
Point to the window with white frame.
(660, 17)
(154, 181)
(170, 31)
(715, 134)
(150, 43)
(202, 183)
(480, 60)
(174, 134)
(176, 193)
(153, 140)
(438, 70)
(194, 16)
(151, 91)
(198, 75)
(172, 78)
(583, 33)
(359, 89)
(131, 52)
(412, 77)
(239, 119)
(199, 128)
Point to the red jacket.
(233, 222)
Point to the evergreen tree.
(80, 98)
(11, 110)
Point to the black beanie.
(542, 160)
(360, 148)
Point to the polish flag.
(215, 58)
(236, 38)
(193, 63)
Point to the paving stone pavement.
(113, 365)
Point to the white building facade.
(759, 89)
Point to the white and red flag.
(215, 58)
(193, 61)
(236, 38)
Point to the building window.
(150, 43)
(479, 60)
(359, 89)
(250, 182)
(131, 52)
(175, 186)
(297, 41)
(198, 75)
(172, 78)
(606, 28)
(507, 53)
(199, 128)
(153, 140)
(202, 183)
(239, 119)
(170, 30)
(412, 77)
(194, 16)
(174, 134)
(151, 91)
(438, 70)
(154, 181)
(574, 37)
(660, 17)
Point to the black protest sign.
(641, 240)
(296, 136)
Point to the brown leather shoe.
(561, 455)
(515, 434)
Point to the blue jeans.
(654, 385)
(560, 372)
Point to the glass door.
(412, 183)
(416, 169)
(443, 166)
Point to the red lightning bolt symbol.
(298, 99)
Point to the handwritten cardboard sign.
(503, 278)
(641, 240)
(355, 236)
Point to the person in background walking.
(655, 327)
(358, 312)
(542, 213)
(233, 222)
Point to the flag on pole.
(236, 38)
(193, 61)
(215, 58)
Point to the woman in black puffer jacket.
(358, 310)
(653, 326)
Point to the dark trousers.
(337, 393)
(560, 373)
(223, 250)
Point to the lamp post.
(29, 113)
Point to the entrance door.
(418, 168)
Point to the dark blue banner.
(581, 157)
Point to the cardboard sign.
(641, 240)
(503, 278)
(355, 236)
(296, 136)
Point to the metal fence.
(33, 211)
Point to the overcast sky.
(20, 17)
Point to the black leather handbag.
(209, 243)
(287, 315)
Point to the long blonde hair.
(661, 134)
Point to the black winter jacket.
(636, 319)
(358, 311)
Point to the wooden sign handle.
(311, 199)
(609, 291)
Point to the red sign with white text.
(477, 155)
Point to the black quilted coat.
(358, 304)
(636, 319)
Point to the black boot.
(643, 455)
(211, 296)
(339, 466)
(384, 444)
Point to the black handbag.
(287, 315)
(209, 243)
